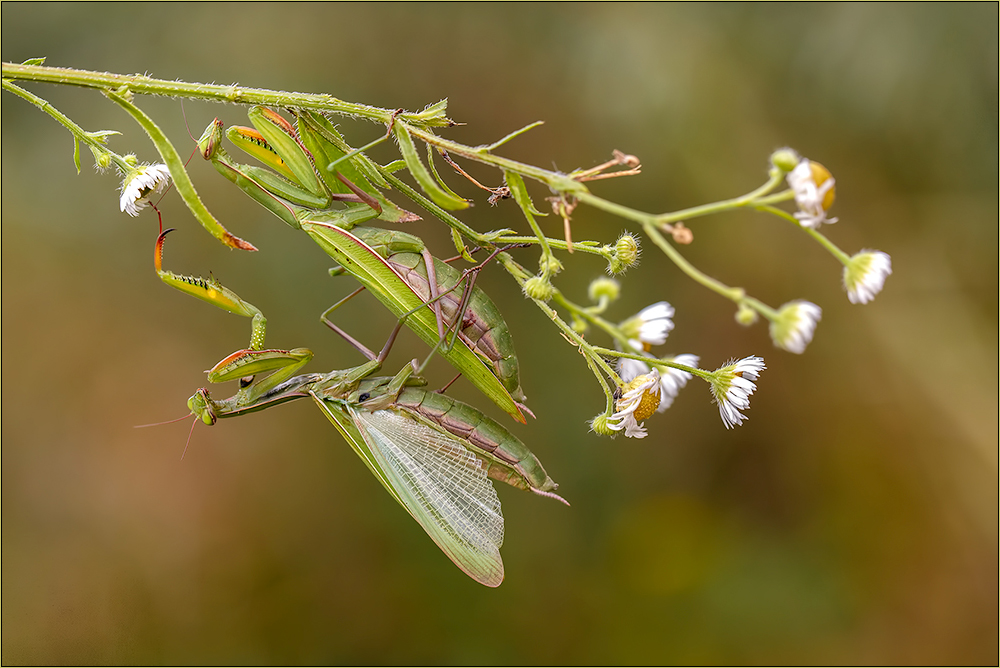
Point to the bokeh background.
(853, 519)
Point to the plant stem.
(735, 294)
(143, 85)
(79, 133)
(823, 241)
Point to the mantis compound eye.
(201, 406)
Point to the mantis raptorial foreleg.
(243, 364)
(299, 191)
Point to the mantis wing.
(443, 486)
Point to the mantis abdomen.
(483, 327)
(508, 460)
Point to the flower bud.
(785, 159)
(626, 254)
(745, 315)
(599, 425)
(538, 288)
(103, 159)
(548, 265)
(603, 287)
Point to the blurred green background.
(853, 519)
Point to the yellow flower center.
(820, 174)
(649, 401)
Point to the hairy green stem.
(654, 361)
(521, 275)
(823, 241)
(143, 85)
(79, 133)
(735, 294)
(776, 177)
(179, 175)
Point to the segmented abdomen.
(511, 461)
(483, 328)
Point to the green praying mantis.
(433, 454)
(312, 170)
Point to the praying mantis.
(394, 266)
(433, 454)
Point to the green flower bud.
(538, 288)
(580, 326)
(603, 287)
(745, 315)
(785, 159)
(549, 265)
(626, 254)
(131, 160)
(599, 425)
(103, 160)
(627, 250)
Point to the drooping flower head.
(732, 386)
(671, 380)
(640, 398)
(793, 328)
(650, 327)
(814, 189)
(143, 181)
(865, 275)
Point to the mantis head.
(201, 407)
(211, 139)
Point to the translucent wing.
(444, 486)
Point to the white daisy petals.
(813, 186)
(145, 182)
(644, 390)
(865, 275)
(794, 327)
(732, 387)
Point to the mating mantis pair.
(434, 455)
(313, 171)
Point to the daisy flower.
(865, 275)
(732, 386)
(140, 184)
(640, 398)
(814, 188)
(650, 327)
(793, 328)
